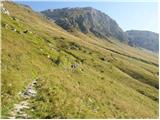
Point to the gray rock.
(74, 66)
(87, 20)
(5, 11)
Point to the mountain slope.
(77, 77)
(87, 20)
(145, 39)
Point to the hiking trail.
(19, 109)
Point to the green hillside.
(78, 75)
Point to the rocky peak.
(86, 20)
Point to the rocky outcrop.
(4, 10)
(86, 20)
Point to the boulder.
(74, 66)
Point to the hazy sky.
(129, 15)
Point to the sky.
(129, 15)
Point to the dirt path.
(19, 110)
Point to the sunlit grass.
(104, 85)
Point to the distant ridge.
(89, 20)
(145, 39)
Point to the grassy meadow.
(112, 80)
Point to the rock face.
(87, 20)
(145, 39)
